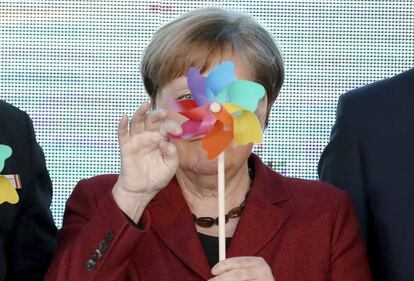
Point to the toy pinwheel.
(222, 109)
(7, 191)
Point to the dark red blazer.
(305, 230)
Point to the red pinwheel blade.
(198, 113)
(187, 105)
(180, 106)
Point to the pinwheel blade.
(224, 117)
(220, 77)
(5, 152)
(180, 106)
(198, 113)
(217, 140)
(195, 128)
(7, 192)
(201, 120)
(247, 128)
(245, 94)
(197, 85)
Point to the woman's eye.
(185, 97)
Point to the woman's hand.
(242, 269)
(148, 159)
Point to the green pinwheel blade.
(245, 94)
(5, 152)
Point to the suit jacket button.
(103, 246)
(109, 235)
(97, 255)
(90, 265)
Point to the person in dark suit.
(371, 156)
(27, 230)
(157, 220)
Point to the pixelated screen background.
(74, 67)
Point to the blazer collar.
(261, 219)
(264, 213)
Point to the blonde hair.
(198, 37)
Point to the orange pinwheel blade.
(224, 117)
(217, 140)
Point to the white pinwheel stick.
(221, 209)
(215, 108)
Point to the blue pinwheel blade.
(220, 77)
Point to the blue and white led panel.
(74, 67)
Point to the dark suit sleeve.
(32, 240)
(341, 163)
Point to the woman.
(140, 225)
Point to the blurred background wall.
(74, 67)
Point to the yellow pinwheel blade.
(232, 107)
(246, 128)
(7, 191)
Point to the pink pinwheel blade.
(192, 128)
(200, 122)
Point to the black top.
(27, 231)
(211, 247)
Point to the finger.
(170, 156)
(234, 263)
(137, 122)
(142, 143)
(167, 148)
(148, 140)
(170, 127)
(154, 118)
(123, 130)
(236, 275)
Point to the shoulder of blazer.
(314, 193)
(11, 116)
(401, 84)
(97, 186)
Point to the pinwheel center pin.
(215, 107)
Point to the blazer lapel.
(261, 220)
(263, 215)
(174, 224)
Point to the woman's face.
(192, 156)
